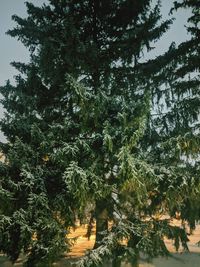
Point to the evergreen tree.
(174, 125)
(36, 210)
(186, 83)
(75, 123)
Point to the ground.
(180, 259)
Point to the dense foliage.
(84, 129)
(174, 127)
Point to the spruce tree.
(75, 123)
(186, 83)
(36, 211)
(172, 136)
(175, 122)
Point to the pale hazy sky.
(13, 50)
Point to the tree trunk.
(133, 244)
(101, 214)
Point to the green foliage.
(174, 124)
(85, 125)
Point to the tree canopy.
(86, 130)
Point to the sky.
(13, 50)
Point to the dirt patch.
(82, 244)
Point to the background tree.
(75, 123)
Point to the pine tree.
(173, 133)
(75, 123)
(35, 208)
(186, 83)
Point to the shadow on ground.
(189, 259)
